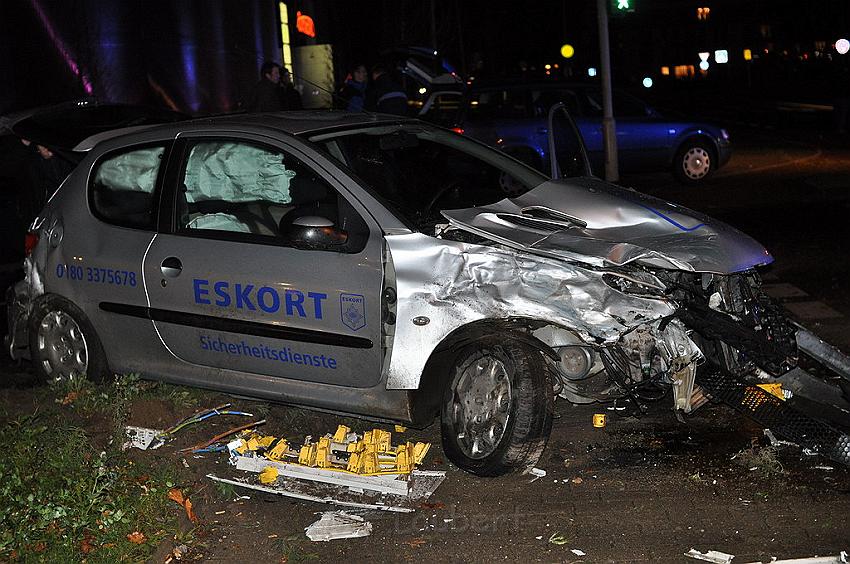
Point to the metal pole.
(609, 129)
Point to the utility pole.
(609, 128)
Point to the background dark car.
(513, 118)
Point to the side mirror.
(314, 232)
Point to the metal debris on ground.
(421, 485)
(578, 552)
(338, 525)
(710, 556)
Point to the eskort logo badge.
(353, 311)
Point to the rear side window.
(123, 185)
(500, 104)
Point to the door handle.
(171, 267)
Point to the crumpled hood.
(592, 221)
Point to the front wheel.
(63, 343)
(497, 408)
(694, 162)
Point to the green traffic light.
(623, 5)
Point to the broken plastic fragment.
(268, 475)
(710, 556)
(577, 552)
(338, 525)
(142, 438)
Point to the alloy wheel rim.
(696, 163)
(62, 347)
(481, 405)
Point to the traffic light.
(619, 7)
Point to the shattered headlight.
(637, 282)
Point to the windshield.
(419, 170)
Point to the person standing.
(385, 95)
(353, 93)
(290, 99)
(265, 96)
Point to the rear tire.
(497, 407)
(63, 343)
(695, 161)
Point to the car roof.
(292, 122)
(527, 85)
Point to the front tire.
(695, 161)
(497, 408)
(63, 343)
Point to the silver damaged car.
(393, 270)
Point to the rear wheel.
(63, 343)
(497, 409)
(694, 162)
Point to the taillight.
(458, 130)
(30, 241)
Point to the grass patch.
(88, 397)
(762, 461)
(62, 500)
(291, 550)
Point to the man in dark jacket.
(384, 94)
(265, 96)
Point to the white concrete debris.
(338, 525)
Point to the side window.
(123, 184)
(244, 191)
(543, 100)
(500, 104)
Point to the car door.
(101, 237)
(268, 267)
(642, 141)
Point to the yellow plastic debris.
(400, 429)
(773, 389)
(278, 450)
(323, 453)
(307, 455)
(419, 452)
(341, 433)
(268, 475)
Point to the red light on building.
(305, 25)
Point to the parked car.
(512, 117)
(372, 265)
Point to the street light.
(842, 46)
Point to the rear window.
(123, 186)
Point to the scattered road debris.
(839, 559)
(558, 539)
(142, 438)
(578, 552)
(338, 525)
(599, 420)
(202, 447)
(537, 473)
(370, 455)
(777, 442)
(421, 485)
(710, 556)
(149, 439)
